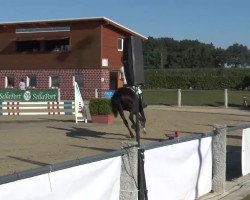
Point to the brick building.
(54, 53)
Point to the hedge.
(100, 106)
(206, 79)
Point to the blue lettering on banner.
(108, 94)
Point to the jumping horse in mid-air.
(125, 99)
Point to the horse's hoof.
(132, 136)
(133, 126)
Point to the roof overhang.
(107, 20)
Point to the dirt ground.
(31, 141)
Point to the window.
(27, 46)
(79, 79)
(120, 44)
(31, 81)
(54, 81)
(9, 81)
(31, 46)
(57, 45)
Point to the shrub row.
(204, 81)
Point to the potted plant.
(100, 110)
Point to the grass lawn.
(247, 197)
(195, 97)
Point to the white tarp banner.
(181, 171)
(245, 155)
(94, 181)
(80, 110)
(37, 188)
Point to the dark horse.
(124, 99)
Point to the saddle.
(144, 105)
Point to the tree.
(220, 57)
(237, 56)
(170, 53)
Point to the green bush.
(201, 79)
(100, 106)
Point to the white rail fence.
(179, 96)
(37, 108)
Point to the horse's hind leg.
(125, 121)
(143, 121)
(131, 117)
(127, 125)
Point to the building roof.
(107, 20)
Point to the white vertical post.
(74, 79)
(226, 98)
(50, 81)
(59, 95)
(27, 81)
(6, 82)
(179, 97)
(96, 93)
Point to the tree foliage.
(162, 53)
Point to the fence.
(225, 98)
(182, 168)
(37, 108)
(221, 98)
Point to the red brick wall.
(85, 46)
(91, 80)
(110, 37)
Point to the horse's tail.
(114, 104)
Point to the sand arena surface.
(32, 141)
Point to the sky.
(221, 22)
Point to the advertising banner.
(108, 94)
(93, 181)
(179, 171)
(245, 151)
(29, 95)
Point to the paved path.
(237, 189)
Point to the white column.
(96, 93)
(179, 97)
(226, 98)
